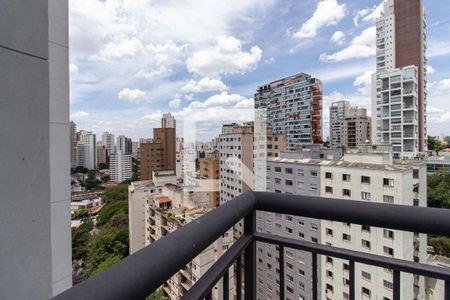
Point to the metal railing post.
(250, 258)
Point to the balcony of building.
(140, 274)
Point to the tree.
(116, 193)
(439, 189)
(102, 166)
(434, 144)
(80, 214)
(80, 238)
(441, 245)
(112, 209)
(111, 260)
(157, 295)
(106, 178)
(91, 182)
(79, 169)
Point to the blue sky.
(132, 60)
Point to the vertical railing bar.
(281, 256)
(447, 290)
(396, 283)
(209, 296)
(351, 271)
(250, 258)
(238, 278)
(226, 287)
(315, 295)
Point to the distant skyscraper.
(294, 108)
(102, 154)
(121, 143)
(86, 150)
(399, 85)
(168, 121)
(108, 141)
(159, 154)
(338, 112)
(355, 129)
(73, 144)
(120, 166)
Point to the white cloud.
(338, 38)
(152, 73)
(222, 99)
(205, 84)
(438, 48)
(245, 103)
(361, 46)
(328, 12)
(226, 57)
(364, 83)
(79, 114)
(368, 14)
(132, 95)
(124, 47)
(430, 70)
(73, 68)
(175, 103)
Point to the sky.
(130, 61)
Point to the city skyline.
(306, 38)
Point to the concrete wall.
(35, 257)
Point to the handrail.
(140, 274)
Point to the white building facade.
(120, 165)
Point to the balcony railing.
(140, 274)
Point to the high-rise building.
(399, 84)
(168, 121)
(73, 144)
(209, 169)
(368, 174)
(293, 107)
(355, 129)
(120, 166)
(86, 150)
(102, 154)
(121, 143)
(108, 141)
(129, 146)
(338, 112)
(159, 154)
(35, 242)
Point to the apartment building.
(367, 174)
(108, 141)
(159, 154)
(120, 166)
(162, 205)
(399, 97)
(73, 144)
(102, 154)
(355, 129)
(168, 121)
(435, 289)
(293, 107)
(339, 110)
(209, 169)
(86, 150)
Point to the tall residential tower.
(399, 96)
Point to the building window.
(301, 286)
(346, 237)
(388, 284)
(288, 170)
(366, 275)
(329, 274)
(288, 182)
(289, 289)
(365, 179)
(313, 187)
(301, 185)
(277, 180)
(278, 169)
(329, 260)
(388, 182)
(388, 199)
(314, 173)
(365, 291)
(314, 240)
(346, 177)
(365, 244)
(328, 175)
(329, 232)
(365, 195)
(301, 223)
(328, 190)
(345, 267)
(346, 192)
(301, 235)
(300, 172)
(388, 251)
(389, 234)
(365, 228)
(329, 287)
(289, 230)
(314, 227)
(289, 218)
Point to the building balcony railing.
(140, 274)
